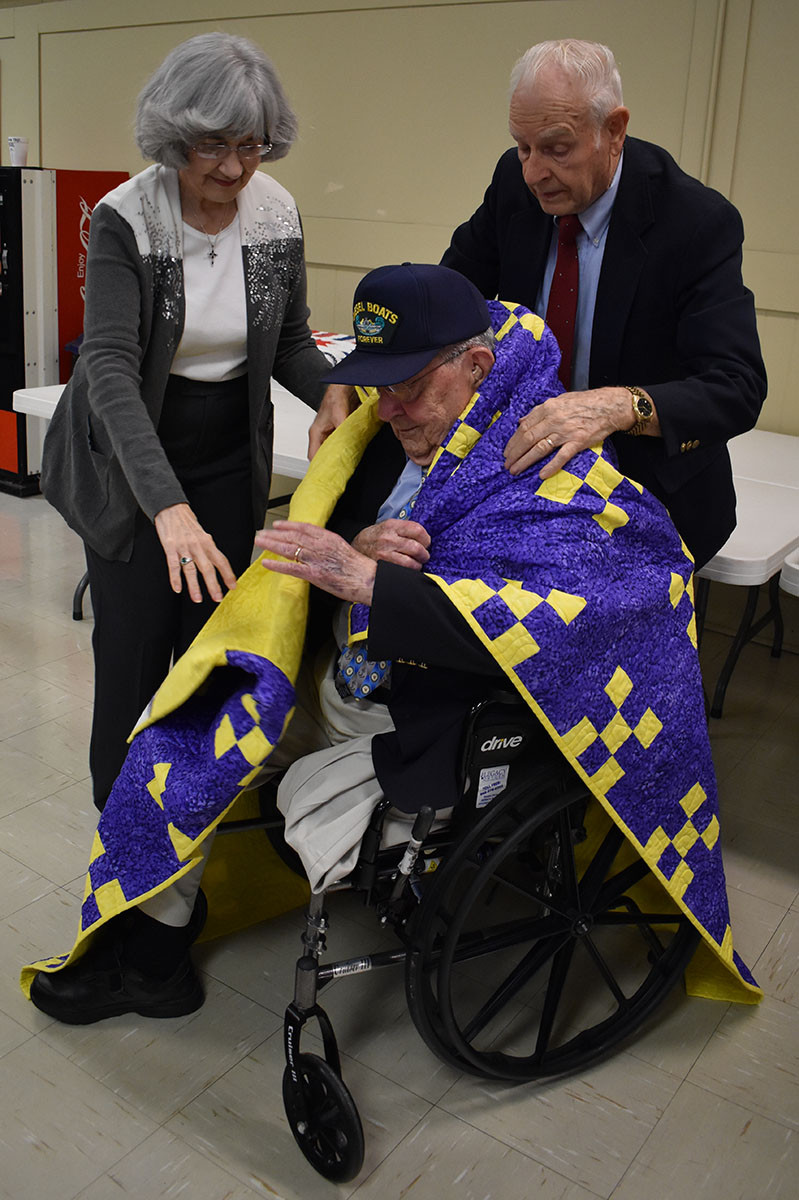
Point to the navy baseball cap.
(402, 316)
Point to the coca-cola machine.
(44, 236)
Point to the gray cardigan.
(102, 458)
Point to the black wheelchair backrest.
(501, 737)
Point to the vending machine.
(44, 236)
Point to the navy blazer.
(672, 316)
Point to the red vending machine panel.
(76, 193)
(12, 341)
(44, 236)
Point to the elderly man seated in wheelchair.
(446, 578)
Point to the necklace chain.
(212, 254)
(214, 238)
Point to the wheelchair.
(533, 940)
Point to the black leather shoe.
(103, 985)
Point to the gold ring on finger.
(298, 554)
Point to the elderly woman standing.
(159, 454)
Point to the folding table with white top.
(766, 471)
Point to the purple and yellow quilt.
(579, 586)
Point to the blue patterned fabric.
(584, 596)
(358, 675)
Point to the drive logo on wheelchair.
(501, 743)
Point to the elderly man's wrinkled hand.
(402, 542)
(321, 557)
(564, 425)
(337, 403)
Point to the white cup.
(18, 149)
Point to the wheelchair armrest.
(500, 694)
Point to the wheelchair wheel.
(532, 957)
(329, 1133)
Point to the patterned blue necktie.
(357, 676)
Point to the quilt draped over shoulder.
(578, 585)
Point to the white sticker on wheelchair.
(493, 781)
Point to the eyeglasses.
(216, 151)
(402, 391)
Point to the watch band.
(643, 409)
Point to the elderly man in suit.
(661, 351)
(664, 342)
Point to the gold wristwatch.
(643, 409)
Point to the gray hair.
(486, 338)
(214, 83)
(590, 64)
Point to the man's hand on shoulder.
(405, 543)
(337, 403)
(564, 425)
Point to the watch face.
(643, 407)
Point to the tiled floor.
(704, 1104)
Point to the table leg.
(77, 598)
(748, 629)
(774, 601)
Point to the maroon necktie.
(562, 306)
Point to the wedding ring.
(185, 560)
(550, 443)
(298, 554)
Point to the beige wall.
(403, 114)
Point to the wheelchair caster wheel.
(329, 1132)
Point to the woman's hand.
(337, 403)
(321, 557)
(402, 542)
(192, 552)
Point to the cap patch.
(374, 324)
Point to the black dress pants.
(140, 624)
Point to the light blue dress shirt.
(590, 252)
(401, 500)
